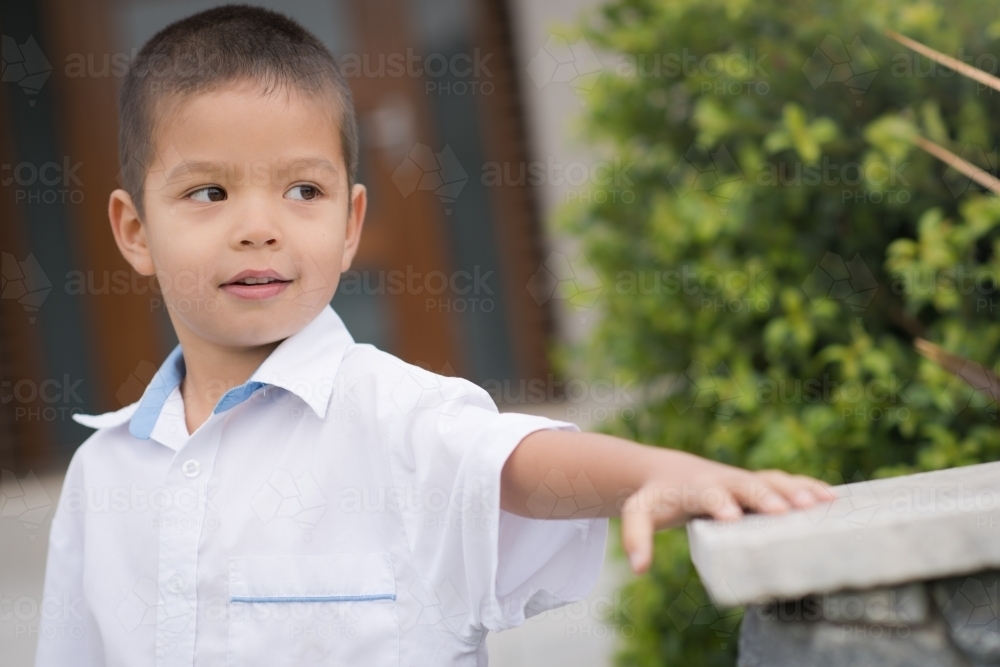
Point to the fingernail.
(803, 497)
(634, 559)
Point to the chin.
(247, 329)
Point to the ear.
(130, 233)
(355, 221)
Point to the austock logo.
(561, 497)
(299, 498)
(417, 390)
(558, 61)
(135, 385)
(835, 62)
(851, 282)
(438, 609)
(693, 608)
(24, 499)
(25, 282)
(573, 281)
(981, 159)
(856, 502)
(24, 65)
(716, 390)
(971, 606)
(704, 170)
(140, 605)
(440, 173)
(145, 603)
(971, 379)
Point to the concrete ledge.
(876, 534)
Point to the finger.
(755, 493)
(796, 489)
(822, 490)
(727, 509)
(637, 536)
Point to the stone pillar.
(901, 572)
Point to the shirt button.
(191, 468)
(175, 584)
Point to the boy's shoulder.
(366, 359)
(407, 385)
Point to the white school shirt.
(339, 508)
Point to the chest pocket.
(336, 609)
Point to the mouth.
(254, 285)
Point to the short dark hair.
(219, 46)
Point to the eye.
(303, 192)
(208, 195)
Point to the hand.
(691, 486)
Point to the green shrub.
(816, 243)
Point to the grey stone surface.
(876, 534)
(970, 607)
(768, 641)
(902, 606)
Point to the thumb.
(637, 536)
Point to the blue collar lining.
(169, 376)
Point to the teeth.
(257, 281)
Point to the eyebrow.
(191, 167)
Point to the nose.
(258, 227)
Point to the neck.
(211, 370)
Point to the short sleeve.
(490, 568)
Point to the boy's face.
(246, 223)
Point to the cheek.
(321, 258)
(183, 266)
(326, 245)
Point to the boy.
(281, 495)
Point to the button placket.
(181, 523)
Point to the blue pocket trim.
(312, 598)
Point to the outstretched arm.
(649, 487)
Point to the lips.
(255, 285)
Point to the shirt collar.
(304, 364)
